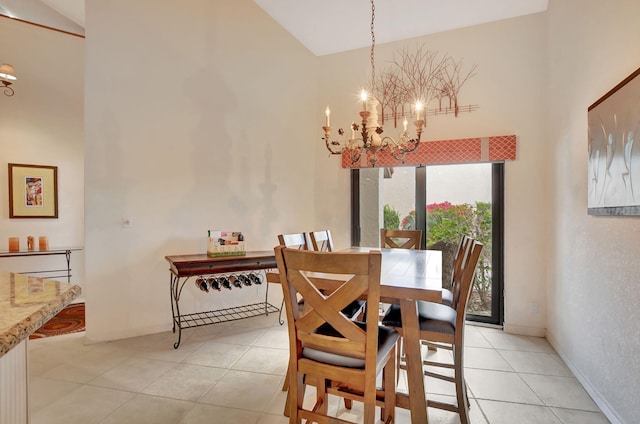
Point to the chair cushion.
(447, 297)
(353, 309)
(432, 317)
(387, 338)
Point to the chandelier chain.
(373, 45)
(370, 142)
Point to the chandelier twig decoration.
(402, 93)
(370, 140)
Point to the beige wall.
(136, 130)
(42, 124)
(199, 116)
(510, 90)
(593, 297)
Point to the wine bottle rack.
(215, 276)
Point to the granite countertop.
(26, 303)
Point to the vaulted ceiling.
(331, 26)
(324, 26)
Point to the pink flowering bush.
(446, 222)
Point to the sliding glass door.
(452, 200)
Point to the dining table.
(406, 277)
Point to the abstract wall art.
(614, 150)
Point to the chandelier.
(366, 138)
(7, 77)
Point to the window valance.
(466, 150)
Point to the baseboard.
(524, 331)
(126, 334)
(483, 324)
(586, 383)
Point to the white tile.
(143, 409)
(473, 337)
(243, 390)
(50, 356)
(438, 355)
(264, 360)
(536, 362)
(483, 358)
(501, 340)
(208, 414)
(277, 402)
(85, 405)
(274, 419)
(438, 386)
(185, 382)
(233, 372)
(132, 375)
(215, 354)
(500, 385)
(562, 392)
(87, 366)
(145, 343)
(439, 416)
(260, 321)
(476, 415)
(163, 350)
(204, 333)
(510, 413)
(572, 416)
(44, 391)
(274, 338)
(246, 336)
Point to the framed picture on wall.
(614, 161)
(33, 191)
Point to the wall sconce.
(7, 77)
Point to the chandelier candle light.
(370, 139)
(7, 77)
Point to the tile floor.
(233, 372)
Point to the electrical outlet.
(533, 308)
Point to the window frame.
(497, 216)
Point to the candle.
(14, 244)
(405, 124)
(353, 131)
(328, 113)
(418, 109)
(43, 243)
(30, 244)
(363, 96)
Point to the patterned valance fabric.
(466, 150)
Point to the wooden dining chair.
(401, 239)
(340, 356)
(444, 326)
(321, 241)
(295, 240)
(305, 241)
(458, 261)
(299, 241)
(456, 268)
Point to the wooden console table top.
(201, 264)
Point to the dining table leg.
(413, 358)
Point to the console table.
(46, 273)
(183, 267)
